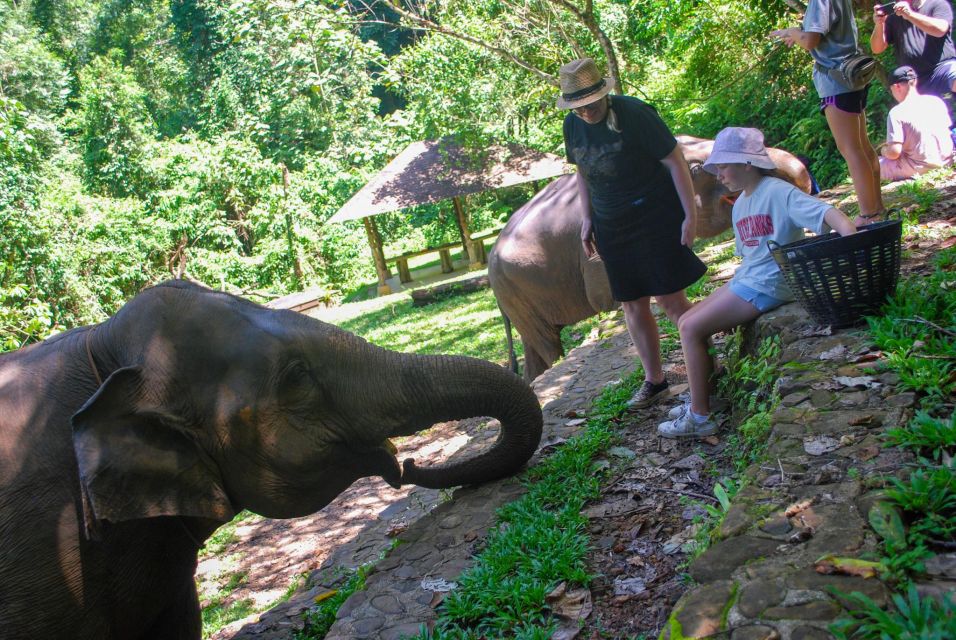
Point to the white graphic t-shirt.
(778, 211)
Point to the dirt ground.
(641, 528)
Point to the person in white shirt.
(917, 130)
(767, 209)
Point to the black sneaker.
(648, 394)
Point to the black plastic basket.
(840, 279)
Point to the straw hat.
(581, 84)
(739, 145)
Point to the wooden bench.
(478, 241)
(444, 254)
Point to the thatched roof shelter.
(435, 170)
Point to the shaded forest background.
(148, 139)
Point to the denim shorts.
(761, 301)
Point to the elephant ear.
(136, 461)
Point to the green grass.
(537, 542)
(366, 290)
(225, 535)
(466, 324)
(320, 618)
(911, 618)
(916, 331)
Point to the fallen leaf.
(438, 584)
(820, 445)
(860, 421)
(797, 507)
(867, 382)
(867, 453)
(325, 595)
(574, 604)
(887, 521)
(832, 354)
(622, 452)
(629, 586)
(830, 564)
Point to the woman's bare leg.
(642, 327)
(849, 131)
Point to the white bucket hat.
(739, 145)
(581, 83)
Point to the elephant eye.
(296, 383)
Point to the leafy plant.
(319, 619)
(915, 331)
(926, 435)
(914, 618)
(749, 384)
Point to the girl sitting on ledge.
(767, 209)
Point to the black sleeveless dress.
(636, 212)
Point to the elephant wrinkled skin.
(541, 277)
(209, 404)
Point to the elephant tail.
(512, 356)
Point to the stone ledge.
(819, 431)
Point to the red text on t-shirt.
(753, 227)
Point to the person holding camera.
(829, 34)
(917, 130)
(920, 32)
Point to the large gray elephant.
(541, 277)
(124, 445)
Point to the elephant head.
(212, 404)
(714, 201)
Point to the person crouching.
(917, 130)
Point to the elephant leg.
(182, 619)
(545, 351)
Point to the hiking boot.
(648, 394)
(684, 426)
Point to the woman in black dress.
(643, 215)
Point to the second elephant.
(541, 277)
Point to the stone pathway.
(758, 582)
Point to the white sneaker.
(716, 405)
(684, 426)
(678, 411)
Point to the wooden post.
(473, 261)
(378, 255)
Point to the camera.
(885, 8)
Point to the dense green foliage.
(145, 140)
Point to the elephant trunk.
(441, 388)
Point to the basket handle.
(772, 245)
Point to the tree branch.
(425, 24)
(587, 18)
